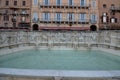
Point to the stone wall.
(13, 41)
(50, 40)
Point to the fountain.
(50, 40)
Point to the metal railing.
(115, 8)
(75, 5)
(63, 20)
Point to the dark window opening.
(6, 18)
(24, 3)
(15, 3)
(7, 3)
(104, 6)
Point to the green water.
(61, 60)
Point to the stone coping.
(8, 51)
(59, 73)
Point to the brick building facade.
(109, 13)
(15, 14)
(60, 14)
(65, 14)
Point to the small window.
(24, 12)
(15, 3)
(0, 2)
(112, 20)
(24, 3)
(104, 6)
(112, 6)
(6, 18)
(7, 3)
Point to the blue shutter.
(68, 17)
(56, 2)
(68, 2)
(80, 2)
(35, 2)
(44, 2)
(91, 19)
(60, 2)
(60, 16)
(48, 2)
(35, 16)
(48, 16)
(85, 17)
(84, 2)
(43, 16)
(73, 2)
(55, 16)
(95, 18)
(80, 17)
(72, 16)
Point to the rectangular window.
(82, 17)
(46, 2)
(93, 18)
(35, 16)
(46, 16)
(35, 2)
(24, 3)
(23, 19)
(6, 18)
(58, 2)
(15, 3)
(70, 2)
(82, 2)
(70, 16)
(7, 3)
(93, 3)
(24, 12)
(58, 16)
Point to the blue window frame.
(82, 17)
(82, 2)
(70, 2)
(58, 16)
(93, 18)
(70, 16)
(35, 16)
(46, 2)
(58, 2)
(46, 16)
(35, 2)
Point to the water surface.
(61, 60)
